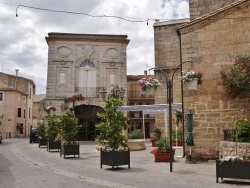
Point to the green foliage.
(136, 134)
(53, 127)
(41, 130)
(179, 135)
(111, 126)
(178, 117)
(157, 133)
(241, 130)
(236, 81)
(69, 128)
(163, 144)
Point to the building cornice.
(87, 37)
(214, 16)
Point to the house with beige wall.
(85, 63)
(16, 104)
(209, 42)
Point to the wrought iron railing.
(90, 92)
(139, 94)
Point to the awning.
(152, 109)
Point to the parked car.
(33, 135)
(1, 137)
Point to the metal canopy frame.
(152, 109)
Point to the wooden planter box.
(163, 157)
(236, 170)
(42, 143)
(115, 158)
(70, 150)
(53, 145)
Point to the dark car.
(33, 135)
(1, 137)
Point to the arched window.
(87, 63)
(87, 78)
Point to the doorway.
(87, 119)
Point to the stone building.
(16, 105)
(38, 113)
(85, 63)
(137, 97)
(209, 42)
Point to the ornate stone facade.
(84, 63)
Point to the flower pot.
(42, 143)
(71, 149)
(163, 157)
(115, 158)
(53, 145)
(179, 143)
(192, 85)
(149, 90)
(229, 169)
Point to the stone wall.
(232, 149)
(199, 8)
(211, 44)
(213, 48)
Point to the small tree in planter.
(162, 152)
(68, 132)
(157, 136)
(114, 149)
(41, 132)
(52, 132)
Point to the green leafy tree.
(68, 128)
(53, 127)
(41, 130)
(111, 126)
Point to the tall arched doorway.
(87, 119)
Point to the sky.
(22, 38)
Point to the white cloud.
(23, 42)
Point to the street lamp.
(170, 101)
(116, 92)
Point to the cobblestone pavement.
(85, 171)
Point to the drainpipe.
(182, 95)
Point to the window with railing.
(87, 79)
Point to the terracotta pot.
(163, 157)
(179, 143)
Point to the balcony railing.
(139, 94)
(90, 92)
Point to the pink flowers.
(148, 82)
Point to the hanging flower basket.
(149, 84)
(192, 78)
(192, 85)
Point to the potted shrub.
(114, 150)
(232, 167)
(162, 152)
(136, 141)
(52, 132)
(68, 132)
(41, 132)
(157, 136)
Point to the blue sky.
(23, 44)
